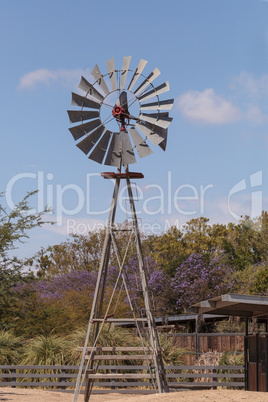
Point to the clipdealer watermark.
(185, 200)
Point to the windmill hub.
(120, 114)
(117, 111)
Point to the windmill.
(114, 126)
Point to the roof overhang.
(233, 305)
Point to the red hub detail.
(117, 111)
(120, 114)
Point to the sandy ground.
(35, 395)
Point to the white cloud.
(255, 115)
(252, 94)
(251, 86)
(45, 76)
(207, 107)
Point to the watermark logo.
(255, 193)
(160, 206)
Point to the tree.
(246, 243)
(197, 280)
(14, 228)
(172, 248)
(168, 249)
(79, 253)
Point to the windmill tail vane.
(117, 119)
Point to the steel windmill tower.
(114, 125)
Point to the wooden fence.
(64, 377)
(197, 343)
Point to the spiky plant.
(10, 348)
(231, 359)
(45, 350)
(172, 355)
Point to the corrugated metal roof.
(233, 305)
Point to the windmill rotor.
(141, 117)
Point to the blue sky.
(214, 53)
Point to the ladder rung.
(115, 349)
(122, 230)
(120, 357)
(119, 320)
(120, 376)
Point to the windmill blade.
(98, 152)
(160, 105)
(81, 115)
(111, 71)
(114, 153)
(163, 144)
(154, 74)
(155, 134)
(137, 73)
(158, 119)
(78, 131)
(156, 91)
(128, 155)
(88, 143)
(142, 148)
(78, 100)
(89, 89)
(126, 63)
(100, 79)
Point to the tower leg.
(96, 309)
(158, 361)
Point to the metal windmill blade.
(81, 115)
(78, 100)
(159, 119)
(141, 146)
(115, 138)
(126, 63)
(111, 72)
(155, 92)
(100, 149)
(137, 73)
(160, 105)
(154, 134)
(100, 79)
(89, 141)
(90, 89)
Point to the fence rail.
(116, 377)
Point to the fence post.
(214, 379)
(63, 380)
(246, 362)
(257, 362)
(196, 346)
(13, 371)
(112, 379)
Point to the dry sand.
(36, 395)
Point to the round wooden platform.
(128, 175)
